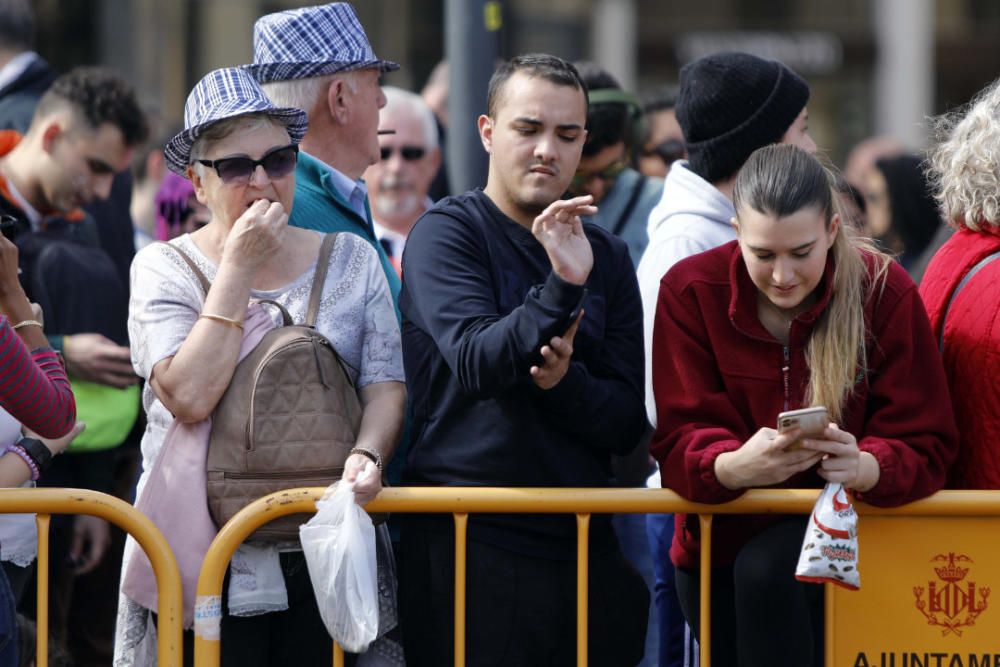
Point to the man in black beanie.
(729, 105)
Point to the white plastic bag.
(830, 548)
(339, 546)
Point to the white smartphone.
(813, 421)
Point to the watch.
(39, 453)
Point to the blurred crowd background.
(876, 67)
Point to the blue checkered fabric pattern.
(311, 41)
(221, 94)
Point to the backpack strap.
(286, 319)
(319, 278)
(323, 264)
(629, 207)
(954, 295)
(205, 284)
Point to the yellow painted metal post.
(461, 533)
(338, 655)
(42, 612)
(582, 586)
(705, 612)
(44, 502)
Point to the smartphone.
(8, 226)
(813, 421)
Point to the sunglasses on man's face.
(408, 153)
(277, 163)
(609, 175)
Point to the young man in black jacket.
(522, 341)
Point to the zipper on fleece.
(784, 375)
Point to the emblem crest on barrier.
(952, 602)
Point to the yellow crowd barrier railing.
(46, 502)
(461, 502)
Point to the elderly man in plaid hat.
(319, 59)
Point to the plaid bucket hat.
(221, 94)
(311, 41)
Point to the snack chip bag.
(830, 547)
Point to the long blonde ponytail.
(780, 180)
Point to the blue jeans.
(678, 647)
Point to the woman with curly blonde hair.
(959, 287)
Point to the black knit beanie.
(731, 104)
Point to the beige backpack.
(288, 418)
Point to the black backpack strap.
(629, 207)
(954, 295)
(205, 284)
(319, 278)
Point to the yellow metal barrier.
(581, 502)
(45, 502)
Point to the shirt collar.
(34, 217)
(395, 240)
(15, 67)
(354, 192)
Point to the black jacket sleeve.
(449, 294)
(601, 401)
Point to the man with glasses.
(399, 182)
(623, 196)
(318, 59)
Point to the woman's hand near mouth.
(256, 235)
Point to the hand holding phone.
(811, 421)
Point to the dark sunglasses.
(277, 162)
(669, 151)
(609, 175)
(408, 153)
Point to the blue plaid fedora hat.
(221, 94)
(311, 41)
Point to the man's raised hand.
(560, 231)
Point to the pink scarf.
(175, 499)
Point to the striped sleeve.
(34, 388)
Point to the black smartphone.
(8, 226)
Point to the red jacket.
(971, 350)
(718, 377)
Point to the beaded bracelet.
(28, 461)
(372, 455)
(26, 323)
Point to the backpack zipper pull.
(319, 364)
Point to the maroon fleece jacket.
(718, 376)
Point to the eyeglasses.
(408, 153)
(277, 162)
(609, 175)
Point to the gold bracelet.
(25, 323)
(236, 324)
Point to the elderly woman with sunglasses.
(239, 151)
